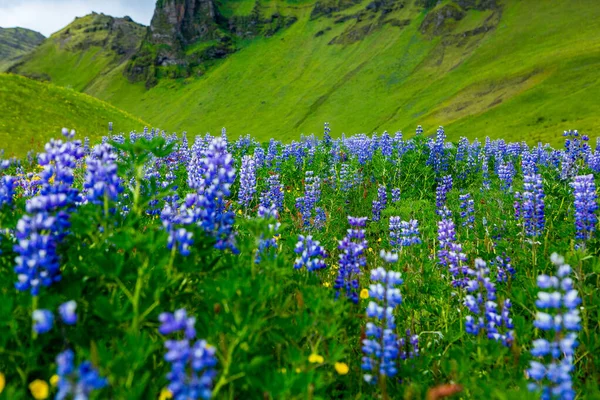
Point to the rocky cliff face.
(185, 35)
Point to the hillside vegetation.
(15, 43)
(511, 69)
(34, 112)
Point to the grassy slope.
(529, 79)
(34, 112)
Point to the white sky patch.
(49, 16)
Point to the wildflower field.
(363, 267)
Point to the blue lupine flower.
(312, 193)
(506, 173)
(467, 210)
(77, 384)
(177, 321)
(403, 233)
(481, 302)
(259, 156)
(450, 254)
(67, 312)
(247, 181)
(326, 134)
(192, 364)
(44, 320)
(532, 205)
(210, 211)
(438, 157)
(485, 172)
(504, 268)
(380, 347)
(441, 192)
(7, 190)
(584, 189)
(352, 259)
(395, 195)
(409, 346)
(101, 179)
(310, 254)
(47, 220)
(274, 194)
(386, 145)
(380, 203)
(559, 316)
(264, 245)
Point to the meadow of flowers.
(147, 267)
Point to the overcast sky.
(49, 16)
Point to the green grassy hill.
(15, 43)
(34, 112)
(521, 70)
(84, 51)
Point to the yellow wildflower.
(240, 212)
(165, 394)
(2, 382)
(341, 368)
(315, 358)
(39, 389)
(54, 380)
(298, 370)
(370, 249)
(379, 240)
(326, 284)
(364, 294)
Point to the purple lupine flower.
(506, 173)
(264, 245)
(485, 172)
(101, 179)
(481, 302)
(438, 157)
(504, 268)
(177, 321)
(7, 190)
(558, 320)
(403, 233)
(441, 192)
(352, 259)
(210, 210)
(192, 364)
(259, 156)
(419, 130)
(44, 320)
(532, 206)
(312, 193)
(380, 347)
(67, 312)
(395, 195)
(77, 384)
(377, 207)
(584, 190)
(467, 210)
(386, 145)
(326, 134)
(450, 254)
(47, 220)
(310, 254)
(274, 194)
(409, 346)
(247, 181)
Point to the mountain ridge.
(15, 43)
